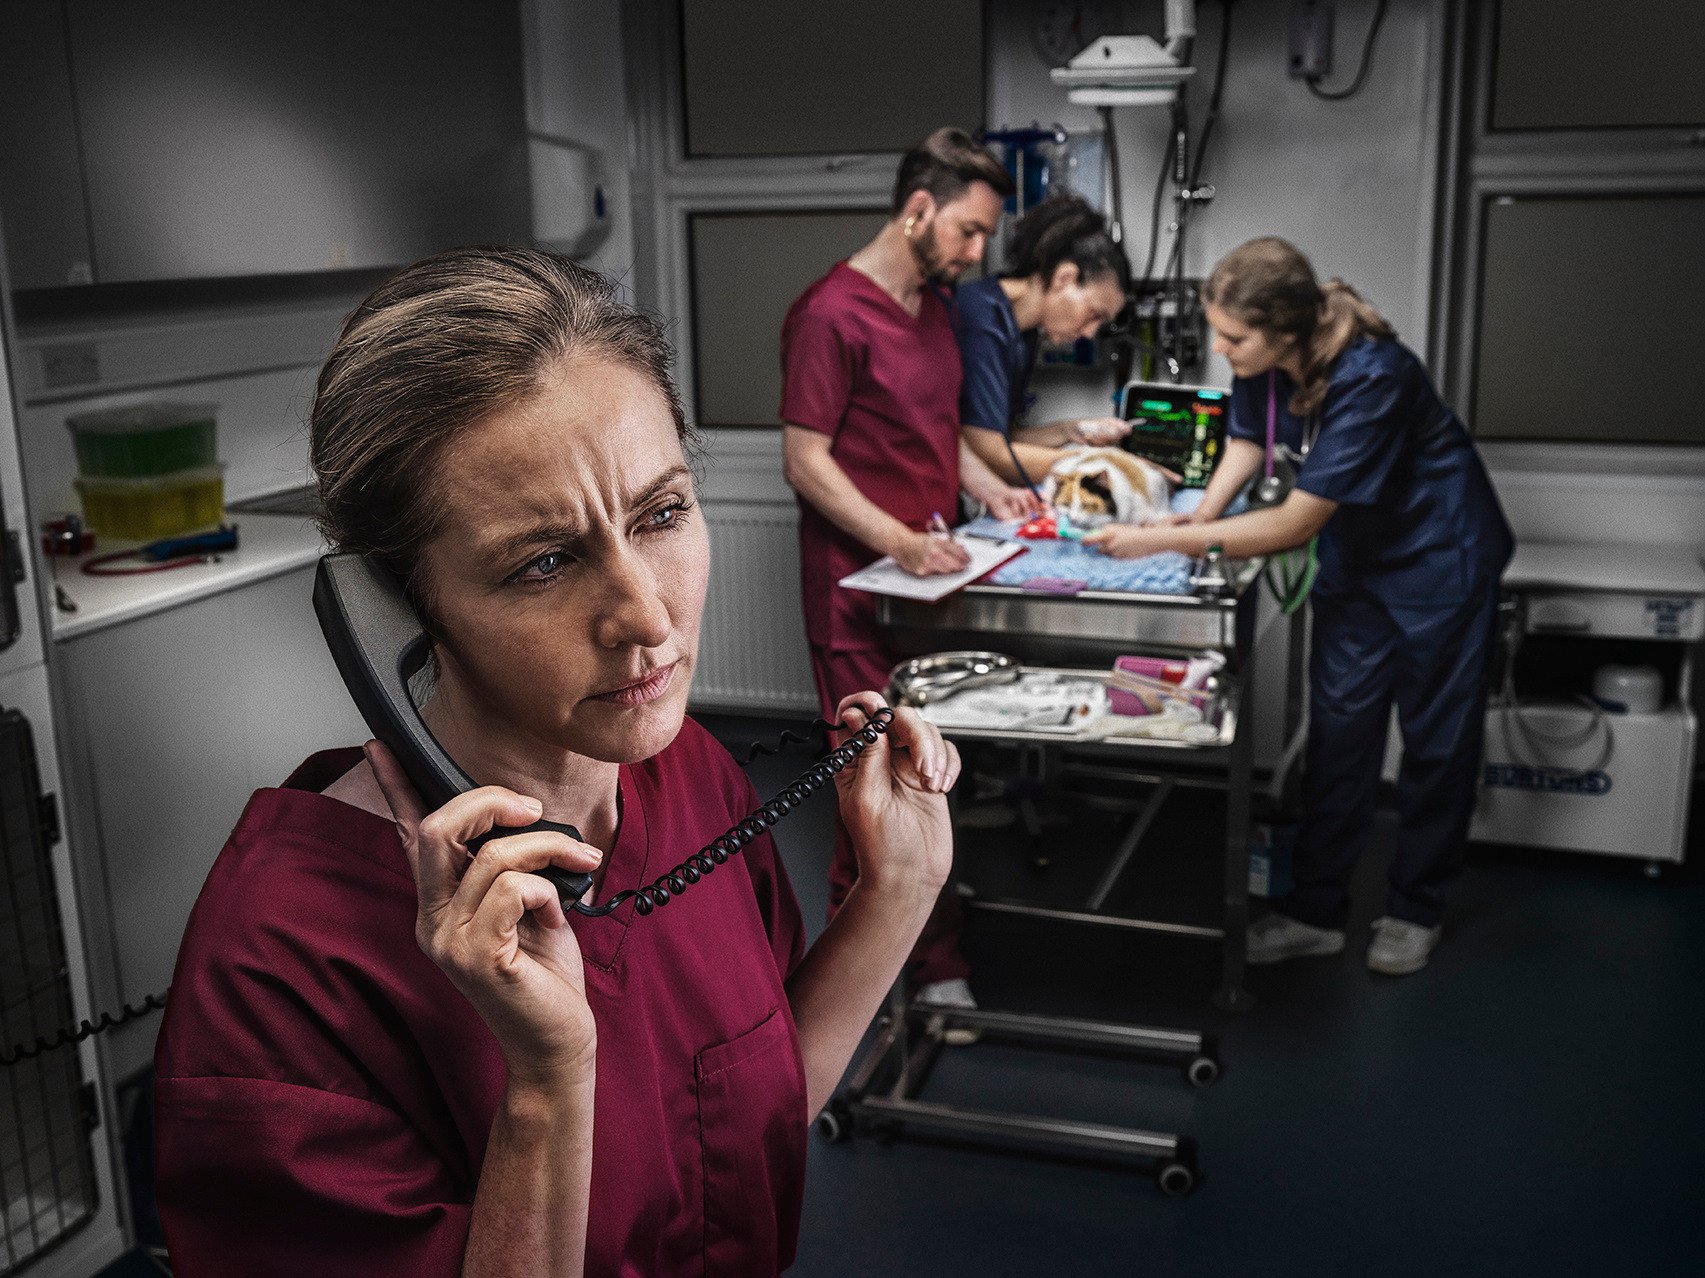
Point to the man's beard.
(929, 260)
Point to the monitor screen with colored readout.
(1179, 427)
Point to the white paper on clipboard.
(885, 577)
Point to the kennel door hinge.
(49, 813)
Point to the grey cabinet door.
(177, 718)
(41, 180)
(225, 139)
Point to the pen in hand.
(933, 551)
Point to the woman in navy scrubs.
(1412, 544)
(1065, 278)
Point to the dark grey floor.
(1532, 1103)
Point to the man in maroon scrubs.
(870, 406)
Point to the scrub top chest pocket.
(751, 1168)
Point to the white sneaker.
(1277, 937)
(1400, 947)
(951, 995)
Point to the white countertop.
(1657, 570)
(267, 545)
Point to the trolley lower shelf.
(883, 1094)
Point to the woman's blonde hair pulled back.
(1268, 284)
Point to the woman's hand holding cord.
(894, 802)
(893, 799)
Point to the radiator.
(752, 654)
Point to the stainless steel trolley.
(1074, 633)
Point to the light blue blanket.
(1167, 573)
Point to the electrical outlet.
(70, 364)
(1311, 41)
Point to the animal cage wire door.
(47, 1169)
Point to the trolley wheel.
(834, 1123)
(1654, 870)
(1176, 1179)
(1202, 1071)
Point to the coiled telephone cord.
(666, 887)
(652, 896)
(68, 1035)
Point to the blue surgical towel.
(1167, 573)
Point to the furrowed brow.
(544, 534)
(658, 485)
(571, 537)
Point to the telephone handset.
(378, 643)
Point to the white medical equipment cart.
(1561, 772)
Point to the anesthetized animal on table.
(1096, 486)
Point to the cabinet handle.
(11, 623)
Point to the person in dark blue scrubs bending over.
(1065, 278)
(1412, 544)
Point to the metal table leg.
(1231, 996)
(1128, 845)
(884, 1087)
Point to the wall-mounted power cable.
(1355, 86)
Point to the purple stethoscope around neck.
(1275, 484)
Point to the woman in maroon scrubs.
(386, 1057)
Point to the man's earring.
(909, 222)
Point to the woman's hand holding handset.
(499, 933)
(893, 798)
(497, 930)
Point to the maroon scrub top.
(325, 1095)
(884, 386)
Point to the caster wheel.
(1176, 1179)
(1203, 1071)
(834, 1123)
(1654, 870)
